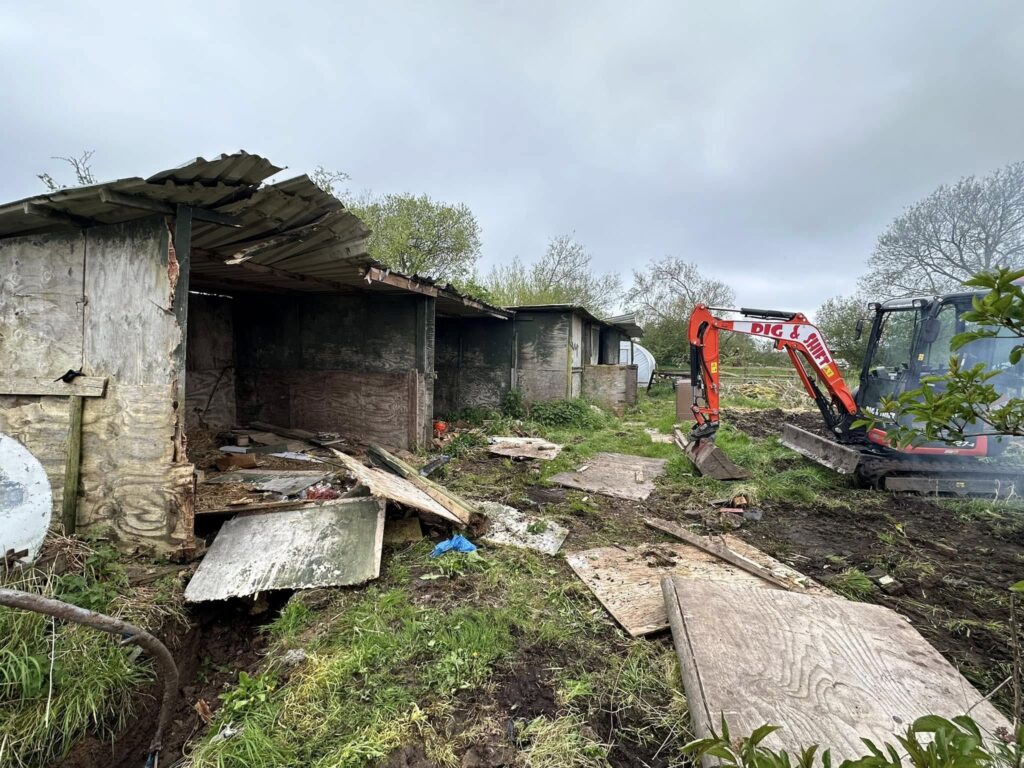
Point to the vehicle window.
(895, 340)
(937, 355)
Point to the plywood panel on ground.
(335, 544)
(615, 474)
(830, 671)
(628, 581)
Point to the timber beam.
(159, 206)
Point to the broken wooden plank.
(337, 543)
(615, 474)
(709, 459)
(523, 448)
(627, 581)
(507, 525)
(298, 434)
(287, 482)
(458, 506)
(831, 672)
(72, 466)
(718, 550)
(80, 386)
(266, 506)
(236, 461)
(388, 486)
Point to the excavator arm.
(790, 331)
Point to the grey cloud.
(770, 142)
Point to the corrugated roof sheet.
(625, 323)
(289, 236)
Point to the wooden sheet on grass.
(627, 581)
(615, 474)
(337, 543)
(523, 448)
(830, 671)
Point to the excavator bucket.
(709, 459)
(826, 452)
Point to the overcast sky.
(770, 142)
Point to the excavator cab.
(910, 340)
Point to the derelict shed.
(196, 299)
(548, 352)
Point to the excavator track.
(946, 477)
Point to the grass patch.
(852, 583)
(387, 669)
(60, 681)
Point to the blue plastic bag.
(457, 543)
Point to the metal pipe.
(130, 634)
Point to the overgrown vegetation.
(59, 681)
(929, 742)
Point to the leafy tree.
(837, 318)
(975, 225)
(328, 180)
(81, 166)
(563, 275)
(417, 235)
(664, 295)
(966, 401)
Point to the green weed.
(852, 583)
(563, 742)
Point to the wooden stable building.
(200, 298)
(547, 352)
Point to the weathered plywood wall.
(102, 301)
(613, 386)
(474, 358)
(356, 364)
(543, 354)
(210, 362)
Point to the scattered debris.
(627, 579)
(294, 456)
(434, 464)
(524, 448)
(510, 526)
(657, 436)
(385, 485)
(885, 582)
(709, 459)
(457, 506)
(319, 439)
(851, 670)
(615, 474)
(404, 531)
(236, 461)
(337, 543)
(286, 482)
(457, 543)
(718, 550)
(248, 505)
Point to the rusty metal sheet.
(334, 544)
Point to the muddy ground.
(954, 564)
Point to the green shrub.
(568, 413)
(513, 406)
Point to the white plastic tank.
(641, 358)
(25, 499)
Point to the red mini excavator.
(909, 339)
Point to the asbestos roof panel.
(237, 168)
(292, 234)
(335, 544)
(628, 324)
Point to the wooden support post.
(69, 502)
